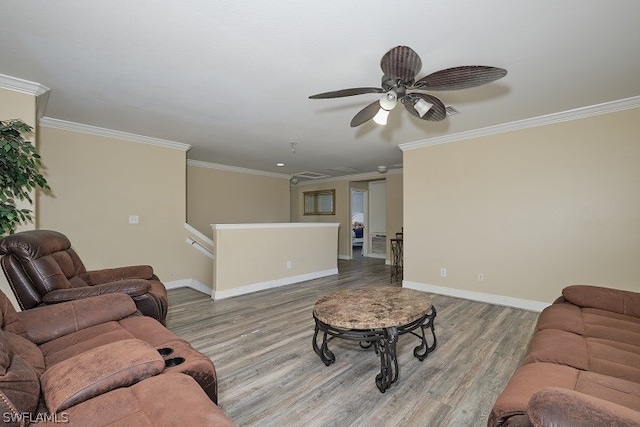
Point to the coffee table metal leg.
(423, 350)
(323, 351)
(386, 348)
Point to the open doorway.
(376, 233)
(359, 208)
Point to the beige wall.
(217, 196)
(534, 210)
(98, 182)
(16, 105)
(394, 208)
(255, 256)
(342, 208)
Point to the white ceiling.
(232, 78)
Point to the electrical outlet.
(134, 219)
(480, 277)
(443, 272)
(288, 264)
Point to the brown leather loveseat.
(98, 362)
(582, 367)
(43, 268)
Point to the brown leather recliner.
(42, 268)
(97, 362)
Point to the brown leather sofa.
(98, 362)
(582, 366)
(43, 268)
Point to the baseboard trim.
(255, 287)
(344, 257)
(189, 283)
(524, 304)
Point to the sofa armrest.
(96, 277)
(616, 300)
(131, 287)
(553, 406)
(49, 322)
(98, 371)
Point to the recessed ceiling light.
(280, 165)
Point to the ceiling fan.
(400, 66)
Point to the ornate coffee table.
(376, 316)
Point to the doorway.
(359, 213)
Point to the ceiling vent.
(311, 175)
(345, 169)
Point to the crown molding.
(41, 92)
(564, 116)
(24, 86)
(237, 169)
(109, 133)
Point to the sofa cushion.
(565, 317)
(531, 378)
(616, 300)
(171, 399)
(592, 323)
(6, 353)
(99, 371)
(141, 327)
(70, 345)
(554, 406)
(51, 322)
(28, 351)
(9, 319)
(19, 385)
(560, 347)
(525, 381)
(598, 355)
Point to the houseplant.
(19, 174)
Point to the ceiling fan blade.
(437, 112)
(347, 92)
(460, 77)
(366, 114)
(402, 63)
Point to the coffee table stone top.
(374, 307)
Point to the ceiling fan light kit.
(381, 117)
(400, 66)
(422, 107)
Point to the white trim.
(237, 169)
(22, 86)
(189, 283)
(241, 290)
(41, 92)
(109, 133)
(199, 247)
(41, 104)
(524, 304)
(198, 234)
(345, 257)
(274, 225)
(564, 116)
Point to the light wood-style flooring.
(269, 374)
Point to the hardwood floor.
(269, 375)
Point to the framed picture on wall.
(322, 202)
